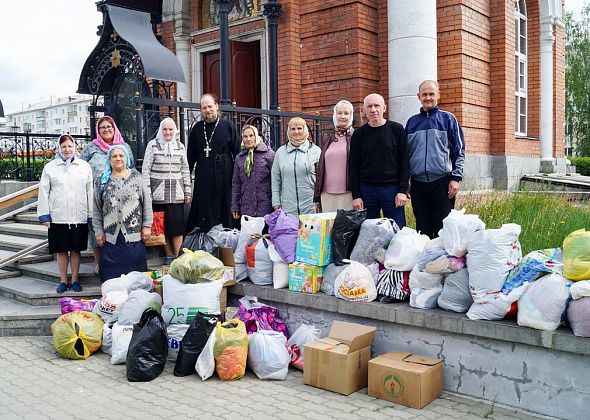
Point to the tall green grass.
(545, 219)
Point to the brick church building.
(500, 65)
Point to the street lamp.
(15, 127)
(27, 127)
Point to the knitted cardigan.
(122, 205)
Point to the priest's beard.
(212, 119)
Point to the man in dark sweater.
(378, 164)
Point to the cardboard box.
(314, 240)
(339, 362)
(305, 278)
(405, 378)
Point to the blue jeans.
(376, 199)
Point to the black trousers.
(431, 204)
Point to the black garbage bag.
(148, 348)
(193, 342)
(345, 232)
(197, 240)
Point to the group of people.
(99, 198)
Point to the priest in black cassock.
(212, 146)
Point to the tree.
(577, 82)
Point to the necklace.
(207, 149)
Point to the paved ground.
(36, 383)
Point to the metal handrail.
(18, 211)
(19, 196)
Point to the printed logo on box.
(182, 315)
(392, 385)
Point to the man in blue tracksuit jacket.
(436, 147)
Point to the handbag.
(158, 236)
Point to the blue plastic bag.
(533, 265)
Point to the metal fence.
(271, 124)
(23, 155)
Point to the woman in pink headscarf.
(107, 135)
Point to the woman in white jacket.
(65, 207)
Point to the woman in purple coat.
(251, 192)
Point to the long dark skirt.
(122, 258)
(64, 238)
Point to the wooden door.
(245, 73)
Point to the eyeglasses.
(108, 127)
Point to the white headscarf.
(168, 146)
(335, 115)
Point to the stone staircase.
(28, 300)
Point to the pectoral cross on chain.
(207, 149)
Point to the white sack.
(109, 306)
(249, 226)
(355, 284)
(183, 301)
(205, 365)
(267, 355)
(404, 250)
(455, 295)
(296, 343)
(261, 271)
(580, 289)
(543, 303)
(175, 334)
(280, 269)
(121, 338)
(133, 307)
(425, 288)
(458, 228)
(127, 282)
(374, 236)
(107, 339)
(499, 307)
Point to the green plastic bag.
(76, 335)
(196, 267)
(576, 255)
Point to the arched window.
(520, 60)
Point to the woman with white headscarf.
(251, 193)
(165, 170)
(65, 208)
(332, 187)
(122, 217)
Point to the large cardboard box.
(405, 378)
(305, 278)
(314, 240)
(339, 362)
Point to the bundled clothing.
(293, 177)
(251, 193)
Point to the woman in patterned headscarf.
(122, 216)
(251, 193)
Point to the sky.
(44, 44)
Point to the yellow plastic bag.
(576, 255)
(230, 349)
(196, 267)
(76, 335)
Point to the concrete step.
(17, 318)
(29, 259)
(28, 230)
(48, 271)
(28, 217)
(16, 243)
(37, 292)
(9, 272)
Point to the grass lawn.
(546, 219)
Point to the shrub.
(582, 164)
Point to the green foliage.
(545, 218)
(582, 164)
(577, 81)
(10, 168)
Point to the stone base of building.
(483, 172)
(540, 371)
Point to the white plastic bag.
(543, 303)
(183, 301)
(267, 355)
(404, 250)
(425, 288)
(374, 236)
(580, 289)
(295, 345)
(127, 282)
(458, 228)
(250, 225)
(260, 266)
(175, 334)
(205, 365)
(492, 254)
(121, 338)
(500, 307)
(280, 269)
(107, 339)
(331, 273)
(134, 306)
(355, 284)
(455, 295)
(109, 306)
